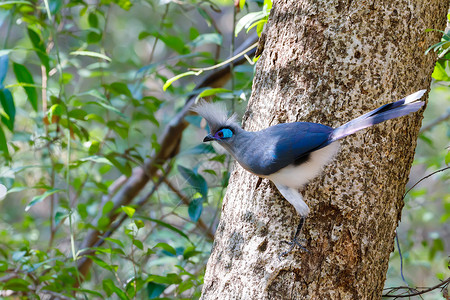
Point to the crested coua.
(291, 154)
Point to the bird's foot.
(295, 241)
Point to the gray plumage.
(291, 154)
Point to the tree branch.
(169, 141)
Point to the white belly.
(298, 176)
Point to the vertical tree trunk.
(328, 62)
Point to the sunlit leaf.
(175, 78)
(5, 3)
(249, 19)
(91, 54)
(128, 210)
(440, 72)
(210, 92)
(42, 197)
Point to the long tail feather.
(295, 198)
(386, 112)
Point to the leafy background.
(87, 91)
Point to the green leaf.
(138, 244)
(173, 42)
(154, 290)
(5, 3)
(55, 110)
(16, 284)
(195, 209)
(79, 114)
(175, 78)
(60, 216)
(110, 288)
(42, 197)
(439, 72)
(115, 241)
(91, 54)
(168, 226)
(166, 247)
(249, 19)
(241, 4)
(7, 102)
(195, 180)
(3, 68)
(207, 38)
(86, 291)
(24, 76)
(124, 168)
(210, 92)
(120, 88)
(108, 107)
(102, 263)
(109, 205)
(39, 48)
(139, 224)
(93, 19)
(170, 278)
(3, 266)
(128, 210)
(447, 158)
(55, 6)
(96, 159)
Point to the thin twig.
(443, 284)
(423, 178)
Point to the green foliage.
(83, 108)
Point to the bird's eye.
(224, 133)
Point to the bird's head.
(223, 129)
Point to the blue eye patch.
(224, 133)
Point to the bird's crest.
(215, 114)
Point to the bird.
(291, 154)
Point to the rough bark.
(328, 62)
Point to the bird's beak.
(208, 138)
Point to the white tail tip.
(415, 96)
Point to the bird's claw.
(295, 241)
(292, 244)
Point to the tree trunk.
(328, 62)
